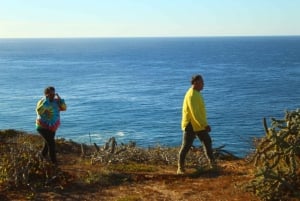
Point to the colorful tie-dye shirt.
(48, 113)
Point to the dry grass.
(130, 173)
(152, 177)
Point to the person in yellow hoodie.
(194, 123)
(48, 120)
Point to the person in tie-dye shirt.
(48, 120)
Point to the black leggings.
(187, 142)
(49, 145)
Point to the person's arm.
(61, 103)
(198, 113)
(40, 109)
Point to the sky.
(147, 18)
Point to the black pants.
(49, 145)
(187, 141)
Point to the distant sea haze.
(132, 88)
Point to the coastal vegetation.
(277, 159)
(117, 171)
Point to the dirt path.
(222, 184)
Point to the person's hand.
(207, 128)
(58, 97)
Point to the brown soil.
(78, 179)
(225, 183)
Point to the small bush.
(20, 164)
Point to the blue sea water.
(132, 88)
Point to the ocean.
(132, 88)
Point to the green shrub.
(277, 160)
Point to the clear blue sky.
(140, 18)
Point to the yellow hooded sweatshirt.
(193, 110)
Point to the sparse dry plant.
(159, 155)
(20, 165)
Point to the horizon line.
(204, 36)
